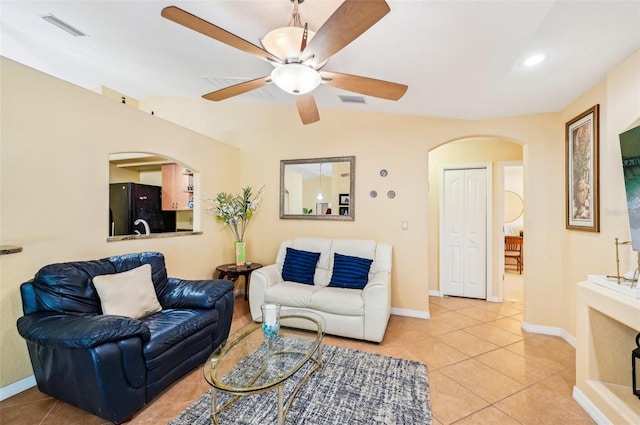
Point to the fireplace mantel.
(607, 323)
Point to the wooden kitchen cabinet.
(177, 188)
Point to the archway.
(150, 193)
(491, 150)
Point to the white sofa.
(353, 313)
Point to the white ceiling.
(460, 59)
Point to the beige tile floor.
(483, 369)
(513, 286)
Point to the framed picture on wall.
(344, 211)
(582, 171)
(344, 199)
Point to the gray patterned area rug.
(351, 388)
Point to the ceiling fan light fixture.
(295, 78)
(534, 60)
(285, 42)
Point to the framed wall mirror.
(318, 188)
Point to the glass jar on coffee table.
(255, 361)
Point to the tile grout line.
(49, 411)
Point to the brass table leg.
(281, 404)
(214, 414)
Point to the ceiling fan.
(298, 54)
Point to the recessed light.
(534, 59)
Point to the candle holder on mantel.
(270, 321)
(634, 276)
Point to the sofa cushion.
(312, 244)
(342, 301)
(67, 288)
(129, 293)
(365, 248)
(169, 327)
(291, 294)
(350, 272)
(300, 266)
(321, 245)
(125, 262)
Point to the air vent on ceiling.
(351, 98)
(63, 26)
(223, 82)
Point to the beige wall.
(400, 144)
(619, 99)
(49, 147)
(123, 175)
(472, 150)
(54, 176)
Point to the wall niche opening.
(151, 195)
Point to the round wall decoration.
(513, 206)
(373, 193)
(383, 173)
(391, 194)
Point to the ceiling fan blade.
(307, 108)
(237, 89)
(195, 23)
(305, 36)
(347, 23)
(364, 85)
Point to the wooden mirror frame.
(352, 186)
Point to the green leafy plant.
(307, 211)
(236, 210)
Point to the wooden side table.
(233, 272)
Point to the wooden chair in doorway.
(513, 250)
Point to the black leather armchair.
(112, 365)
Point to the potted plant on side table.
(235, 211)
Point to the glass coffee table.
(249, 363)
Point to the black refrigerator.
(131, 202)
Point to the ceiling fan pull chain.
(295, 15)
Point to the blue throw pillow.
(350, 272)
(300, 266)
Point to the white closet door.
(463, 249)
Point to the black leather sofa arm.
(194, 293)
(77, 331)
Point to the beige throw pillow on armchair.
(129, 293)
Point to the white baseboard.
(591, 409)
(439, 294)
(411, 313)
(550, 330)
(17, 387)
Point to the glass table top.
(251, 363)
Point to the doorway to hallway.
(511, 215)
(470, 152)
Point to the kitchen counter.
(151, 236)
